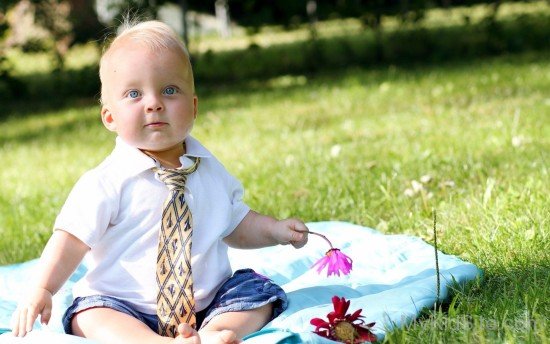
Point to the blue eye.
(170, 90)
(133, 94)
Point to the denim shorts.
(245, 290)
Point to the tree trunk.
(184, 8)
(222, 15)
(311, 9)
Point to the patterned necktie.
(175, 300)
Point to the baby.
(121, 216)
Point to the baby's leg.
(106, 325)
(231, 327)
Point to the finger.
(32, 314)
(299, 226)
(22, 325)
(300, 244)
(303, 230)
(14, 323)
(298, 239)
(46, 315)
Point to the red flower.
(342, 327)
(336, 262)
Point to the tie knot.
(175, 178)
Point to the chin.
(160, 147)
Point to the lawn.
(379, 147)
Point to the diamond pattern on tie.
(175, 300)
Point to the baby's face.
(149, 99)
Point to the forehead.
(124, 51)
(129, 54)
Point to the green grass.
(347, 145)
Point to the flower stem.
(438, 282)
(322, 236)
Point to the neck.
(169, 158)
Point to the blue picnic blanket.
(393, 280)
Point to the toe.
(228, 336)
(185, 330)
(189, 333)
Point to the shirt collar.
(195, 149)
(131, 161)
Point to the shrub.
(411, 45)
(403, 46)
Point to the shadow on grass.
(21, 108)
(222, 95)
(246, 70)
(276, 89)
(279, 88)
(57, 129)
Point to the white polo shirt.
(116, 209)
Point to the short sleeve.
(239, 209)
(89, 209)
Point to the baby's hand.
(290, 231)
(39, 303)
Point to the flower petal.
(365, 334)
(319, 323)
(356, 315)
(322, 262)
(323, 333)
(340, 306)
(344, 262)
(332, 316)
(337, 303)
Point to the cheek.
(186, 111)
(129, 122)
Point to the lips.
(156, 124)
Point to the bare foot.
(187, 335)
(219, 337)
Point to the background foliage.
(471, 32)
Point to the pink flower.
(342, 327)
(336, 262)
(334, 259)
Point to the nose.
(154, 105)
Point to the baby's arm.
(60, 258)
(257, 230)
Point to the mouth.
(155, 124)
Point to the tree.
(53, 15)
(84, 20)
(9, 86)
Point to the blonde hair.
(154, 35)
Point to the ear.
(195, 106)
(107, 118)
